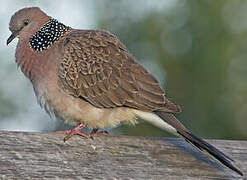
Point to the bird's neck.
(24, 54)
(47, 35)
(31, 48)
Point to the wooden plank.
(36, 155)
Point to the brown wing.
(97, 67)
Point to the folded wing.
(97, 67)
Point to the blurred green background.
(197, 49)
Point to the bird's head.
(25, 22)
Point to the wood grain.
(36, 155)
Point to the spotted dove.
(88, 78)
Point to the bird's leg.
(72, 132)
(94, 132)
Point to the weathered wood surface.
(40, 156)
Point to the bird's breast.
(42, 69)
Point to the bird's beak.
(12, 36)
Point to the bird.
(88, 78)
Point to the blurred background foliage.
(197, 49)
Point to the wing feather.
(96, 67)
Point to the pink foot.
(72, 132)
(94, 132)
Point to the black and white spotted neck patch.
(47, 35)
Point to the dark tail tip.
(216, 153)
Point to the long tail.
(198, 142)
